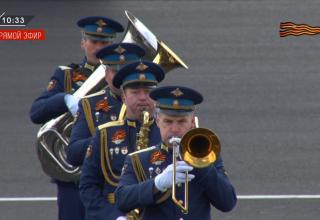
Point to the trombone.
(199, 147)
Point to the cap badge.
(175, 103)
(101, 23)
(120, 50)
(142, 76)
(99, 29)
(177, 92)
(122, 58)
(141, 67)
(118, 136)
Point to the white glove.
(121, 218)
(164, 180)
(72, 103)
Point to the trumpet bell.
(156, 50)
(200, 147)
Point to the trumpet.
(199, 147)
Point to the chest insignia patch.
(157, 157)
(51, 85)
(103, 105)
(119, 136)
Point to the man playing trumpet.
(147, 176)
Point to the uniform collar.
(135, 123)
(131, 123)
(164, 147)
(114, 95)
(89, 66)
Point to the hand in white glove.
(164, 180)
(122, 218)
(72, 103)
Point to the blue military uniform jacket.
(102, 167)
(50, 104)
(94, 110)
(135, 190)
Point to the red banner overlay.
(289, 28)
(22, 35)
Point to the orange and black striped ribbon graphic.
(289, 28)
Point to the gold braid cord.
(141, 176)
(122, 113)
(292, 29)
(67, 81)
(105, 158)
(165, 196)
(138, 169)
(88, 115)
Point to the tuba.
(156, 50)
(53, 137)
(199, 147)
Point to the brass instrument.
(199, 147)
(156, 50)
(143, 136)
(53, 137)
(141, 143)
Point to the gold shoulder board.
(95, 94)
(143, 150)
(111, 124)
(64, 68)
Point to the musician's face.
(91, 47)
(109, 74)
(137, 100)
(174, 125)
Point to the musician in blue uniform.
(103, 106)
(114, 140)
(57, 99)
(146, 179)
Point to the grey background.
(261, 93)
